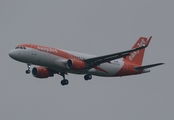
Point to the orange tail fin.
(136, 57)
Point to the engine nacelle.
(75, 64)
(41, 72)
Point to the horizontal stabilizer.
(148, 66)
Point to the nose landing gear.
(28, 70)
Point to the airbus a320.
(51, 61)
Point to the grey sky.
(96, 27)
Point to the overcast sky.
(96, 27)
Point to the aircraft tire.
(27, 71)
(64, 82)
(88, 77)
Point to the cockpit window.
(20, 47)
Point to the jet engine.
(41, 72)
(75, 64)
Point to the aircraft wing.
(92, 62)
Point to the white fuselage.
(58, 63)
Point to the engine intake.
(75, 64)
(41, 72)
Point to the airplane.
(52, 61)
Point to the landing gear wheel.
(85, 77)
(64, 82)
(88, 77)
(27, 71)
(28, 66)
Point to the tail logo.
(131, 57)
(139, 44)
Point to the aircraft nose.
(12, 54)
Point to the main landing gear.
(28, 70)
(64, 81)
(88, 77)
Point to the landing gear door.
(34, 50)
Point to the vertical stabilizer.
(136, 57)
